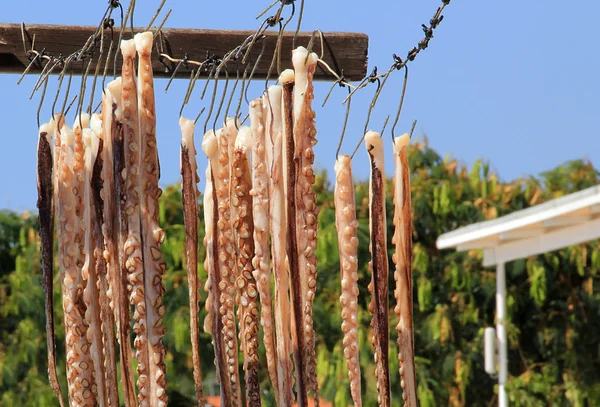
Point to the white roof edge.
(525, 217)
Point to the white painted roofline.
(588, 198)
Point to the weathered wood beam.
(343, 51)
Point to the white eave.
(561, 222)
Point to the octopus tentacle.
(241, 184)
(112, 224)
(45, 204)
(260, 211)
(306, 201)
(277, 212)
(152, 234)
(106, 314)
(403, 272)
(79, 363)
(378, 267)
(227, 264)
(134, 261)
(95, 356)
(127, 108)
(109, 127)
(88, 271)
(346, 225)
(297, 283)
(213, 323)
(189, 196)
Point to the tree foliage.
(553, 299)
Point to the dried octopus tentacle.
(152, 234)
(227, 266)
(306, 201)
(379, 267)
(106, 314)
(298, 341)
(45, 205)
(213, 323)
(125, 189)
(95, 359)
(241, 184)
(109, 123)
(189, 197)
(133, 245)
(113, 138)
(277, 222)
(403, 272)
(79, 364)
(346, 225)
(89, 274)
(117, 270)
(260, 212)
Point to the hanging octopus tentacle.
(297, 282)
(45, 205)
(403, 273)
(213, 324)
(109, 114)
(260, 212)
(227, 264)
(106, 314)
(277, 222)
(134, 261)
(79, 363)
(241, 184)
(95, 354)
(189, 197)
(112, 158)
(152, 234)
(347, 225)
(93, 314)
(125, 182)
(306, 201)
(379, 267)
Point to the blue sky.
(513, 82)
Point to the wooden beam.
(345, 52)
